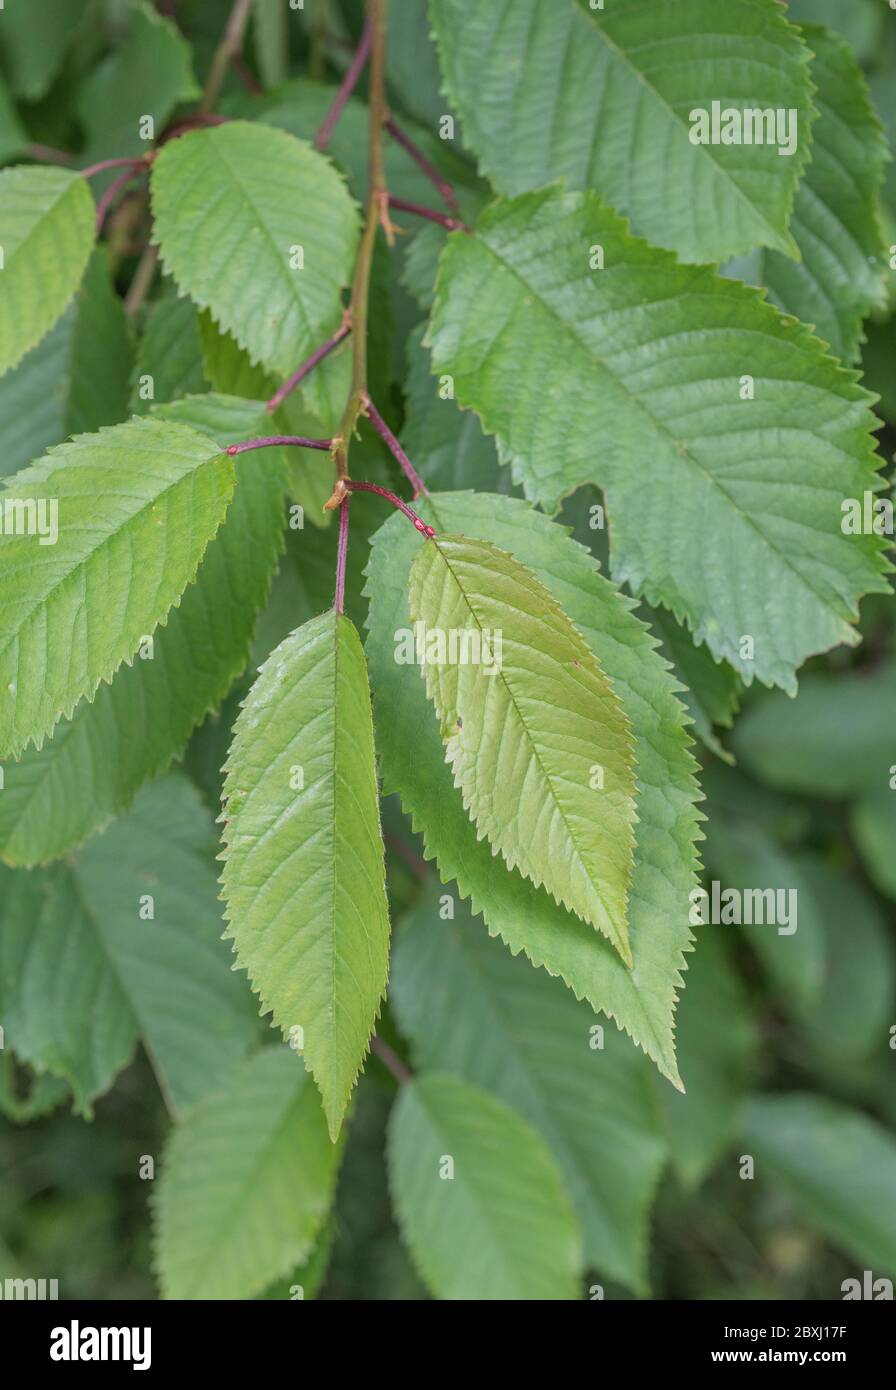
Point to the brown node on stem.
(340, 492)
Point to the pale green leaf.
(46, 237)
(86, 971)
(538, 742)
(91, 766)
(303, 866)
(724, 508)
(838, 278)
(837, 1166)
(246, 1184)
(473, 1010)
(501, 1226)
(232, 204)
(135, 506)
(517, 73)
(641, 1000)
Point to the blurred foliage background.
(799, 792)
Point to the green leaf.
(135, 506)
(303, 866)
(169, 358)
(836, 738)
(75, 379)
(501, 1226)
(642, 1000)
(473, 1010)
(147, 75)
(703, 485)
(837, 1166)
(300, 107)
(515, 72)
(265, 1141)
(134, 727)
(711, 688)
(46, 235)
(838, 278)
(84, 972)
(717, 1041)
(873, 824)
(270, 34)
(231, 204)
(13, 135)
(447, 445)
(33, 46)
(538, 742)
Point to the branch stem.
(377, 209)
(230, 47)
(429, 169)
(111, 193)
(279, 440)
(391, 1060)
(310, 363)
(342, 554)
(131, 161)
(453, 224)
(347, 86)
(393, 445)
(419, 524)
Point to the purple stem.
(278, 439)
(341, 554)
(105, 164)
(395, 448)
(419, 523)
(111, 193)
(431, 172)
(308, 366)
(349, 82)
(453, 224)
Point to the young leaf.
(497, 1223)
(265, 1141)
(641, 1000)
(717, 418)
(303, 865)
(515, 72)
(257, 227)
(123, 943)
(837, 1165)
(838, 278)
(46, 236)
(538, 743)
(135, 726)
(135, 507)
(473, 1010)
